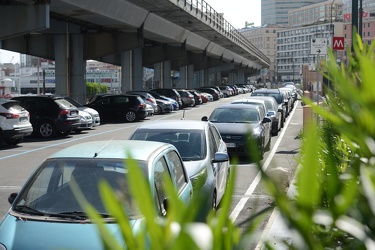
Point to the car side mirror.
(220, 157)
(12, 197)
(204, 118)
(266, 119)
(165, 207)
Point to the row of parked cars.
(193, 154)
(50, 115)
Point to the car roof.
(267, 91)
(113, 149)
(174, 124)
(3, 100)
(238, 106)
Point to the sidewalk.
(275, 232)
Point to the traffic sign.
(318, 46)
(338, 43)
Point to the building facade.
(276, 11)
(265, 39)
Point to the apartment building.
(265, 39)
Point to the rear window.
(63, 103)
(12, 106)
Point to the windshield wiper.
(27, 209)
(79, 215)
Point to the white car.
(94, 114)
(86, 121)
(14, 122)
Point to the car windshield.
(52, 190)
(229, 115)
(278, 97)
(191, 144)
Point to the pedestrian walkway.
(275, 231)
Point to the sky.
(236, 12)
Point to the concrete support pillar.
(183, 77)
(158, 75)
(232, 78)
(137, 82)
(206, 78)
(63, 64)
(167, 79)
(78, 69)
(190, 77)
(241, 77)
(126, 70)
(131, 70)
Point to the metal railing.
(217, 22)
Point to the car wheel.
(130, 116)
(46, 129)
(66, 132)
(13, 141)
(158, 110)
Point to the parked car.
(168, 92)
(50, 115)
(238, 125)
(227, 91)
(86, 121)
(175, 104)
(46, 214)
(14, 122)
(94, 114)
(215, 94)
(115, 107)
(202, 149)
(273, 112)
(263, 113)
(279, 97)
(148, 99)
(197, 96)
(206, 97)
(187, 98)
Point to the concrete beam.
(152, 55)
(16, 19)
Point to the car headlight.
(199, 179)
(2, 247)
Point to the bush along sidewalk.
(335, 204)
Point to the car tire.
(130, 116)
(66, 132)
(46, 129)
(13, 141)
(158, 110)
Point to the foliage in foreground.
(335, 204)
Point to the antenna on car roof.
(183, 115)
(97, 153)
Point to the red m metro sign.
(338, 43)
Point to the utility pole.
(360, 25)
(354, 19)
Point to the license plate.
(23, 119)
(231, 145)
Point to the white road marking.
(240, 205)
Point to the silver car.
(203, 152)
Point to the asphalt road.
(250, 197)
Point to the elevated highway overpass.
(184, 35)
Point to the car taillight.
(64, 112)
(9, 115)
